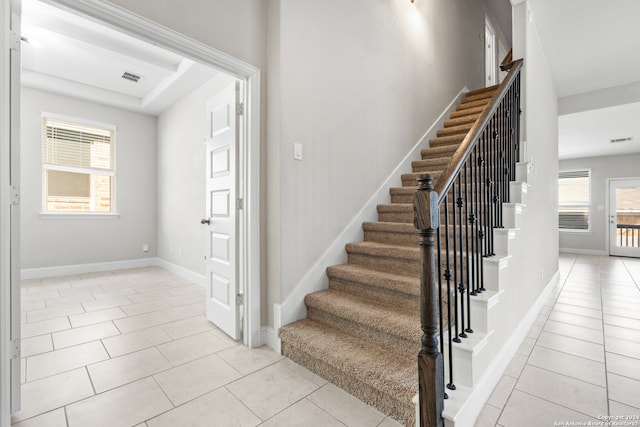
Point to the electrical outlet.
(145, 247)
(297, 151)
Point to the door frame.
(149, 31)
(608, 208)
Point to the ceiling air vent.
(618, 140)
(131, 77)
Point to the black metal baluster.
(447, 276)
(440, 304)
(455, 266)
(466, 234)
(459, 254)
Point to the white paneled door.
(221, 211)
(624, 217)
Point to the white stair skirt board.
(481, 306)
(292, 307)
(518, 191)
(494, 272)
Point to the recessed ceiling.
(592, 45)
(71, 55)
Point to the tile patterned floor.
(133, 348)
(581, 359)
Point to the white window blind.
(78, 166)
(574, 200)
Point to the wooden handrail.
(463, 151)
(507, 61)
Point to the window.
(574, 199)
(78, 167)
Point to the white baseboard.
(464, 413)
(185, 273)
(69, 270)
(292, 307)
(596, 252)
(270, 338)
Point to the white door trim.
(607, 224)
(147, 30)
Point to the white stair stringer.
(482, 304)
(503, 239)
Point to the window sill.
(79, 215)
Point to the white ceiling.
(68, 54)
(592, 45)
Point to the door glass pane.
(628, 217)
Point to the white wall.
(60, 242)
(181, 174)
(361, 82)
(602, 168)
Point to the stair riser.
(453, 130)
(402, 217)
(463, 120)
(402, 198)
(373, 336)
(411, 302)
(393, 238)
(472, 104)
(386, 264)
(401, 409)
(466, 112)
(431, 164)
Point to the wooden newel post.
(430, 364)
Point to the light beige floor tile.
(68, 300)
(534, 332)
(185, 327)
(45, 327)
(570, 365)
(53, 392)
(488, 417)
(272, 389)
(624, 390)
(68, 292)
(145, 307)
(122, 407)
(185, 311)
(622, 333)
(134, 341)
(31, 303)
(573, 319)
(84, 334)
(516, 365)
(502, 391)
(300, 414)
(247, 360)
(345, 407)
(103, 294)
(592, 303)
(580, 311)
(50, 419)
(99, 316)
(623, 347)
(35, 345)
(52, 313)
(196, 378)
(301, 370)
(572, 346)
(389, 422)
(192, 347)
(617, 408)
(148, 296)
(220, 405)
(44, 365)
(105, 303)
(574, 331)
(569, 392)
(187, 289)
(180, 300)
(625, 322)
(525, 410)
(128, 368)
(142, 321)
(623, 365)
(526, 346)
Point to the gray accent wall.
(49, 242)
(602, 168)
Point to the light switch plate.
(297, 151)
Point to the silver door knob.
(205, 221)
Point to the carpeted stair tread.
(355, 365)
(462, 120)
(382, 250)
(491, 89)
(465, 112)
(455, 130)
(471, 97)
(387, 318)
(446, 140)
(430, 164)
(408, 285)
(438, 152)
(472, 104)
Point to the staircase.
(363, 333)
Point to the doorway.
(624, 217)
(250, 159)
